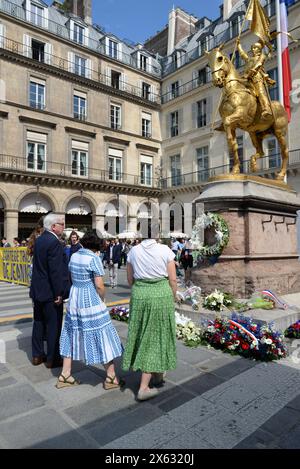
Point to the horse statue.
(240, 109)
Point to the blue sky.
(138, 20)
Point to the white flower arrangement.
(187, 330)
(180, 319)
(217, 301)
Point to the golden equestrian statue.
(245, 101)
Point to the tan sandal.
(65, 382)
(110, 384)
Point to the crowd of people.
(72, 271)
(17, 243)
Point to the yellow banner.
(15, 266)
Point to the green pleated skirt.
(151, 342)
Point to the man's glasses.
(62, 224)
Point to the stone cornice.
(58, 181)
(50, 69)
(78, 131)
(119, 141)
(31, 120)
(141, 146)
(72, 119)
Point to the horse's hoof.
(279, 177)
(235, 171)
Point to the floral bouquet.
(293, 331)
(217, 301)
(120, 313)
(189, 333)
(240, 335)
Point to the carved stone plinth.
(262, 250)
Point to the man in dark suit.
(49, 286)
(113, 256)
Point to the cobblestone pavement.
(212, 400)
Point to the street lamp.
(81, 204)
(37, 200)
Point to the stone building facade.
(79, 121)
(101, 130)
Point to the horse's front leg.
(284, 154)
(257, 142)
(233, 147)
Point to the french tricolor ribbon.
(278, 301)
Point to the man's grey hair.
(51, 219)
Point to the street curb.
(23, 318)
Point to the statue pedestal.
(262, 249)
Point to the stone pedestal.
(262, 249)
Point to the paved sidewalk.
(16, 304)
(212, 400)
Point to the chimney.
(80, 8)
(181, 25)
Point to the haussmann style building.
(106, 131)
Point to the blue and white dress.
(88, 334)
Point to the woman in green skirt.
(151, 342)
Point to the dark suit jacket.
(50, 277)
(117, 249)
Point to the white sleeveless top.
(149, 259)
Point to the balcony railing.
(185, 88)
(83, 71)
(63, 31)
(265, 166)
(54, 169)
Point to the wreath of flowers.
(120, 313)
(236, 335)
(293, 331)
(207, 220)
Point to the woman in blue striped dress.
(88, 334)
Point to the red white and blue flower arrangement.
(120, 313)
(293, 331)
(238, 335)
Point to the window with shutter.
(80, 152)
(37, 93)
(2, 35)
(174, 124)
(36, 151)
(202, 163)
(146, 124)
(115, 116)
(115, 164)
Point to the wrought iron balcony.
(185, 88)
(82, 71)
(267, 167)
(13, 165)
(61, 30)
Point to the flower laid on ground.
(120, 313)
(217, 301)
(293, 331)
(241, 335)
(260, 303)
(187, 331)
